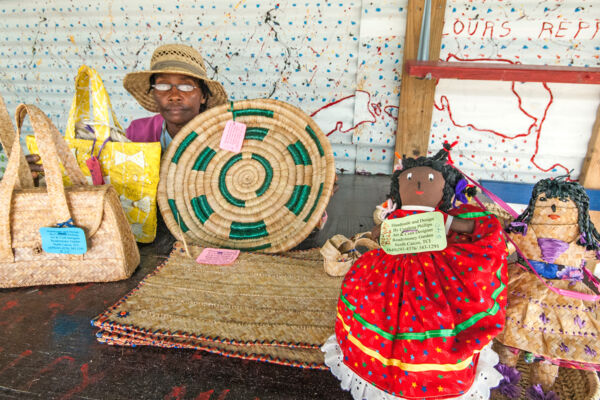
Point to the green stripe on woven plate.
(299, 153)
(201, 208)
(315, 203)
(434, 333)
(223, 185)
(186, 142)
(253, 111)
(268, 174)
(295, 155)
(474, 214)
(255, 133)
(314, 137)
(177, 216)
(298, 198)
(203, 159)
(248, 230)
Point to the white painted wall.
(339, 61)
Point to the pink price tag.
(233, 136)
(94, 166)
(217, 256)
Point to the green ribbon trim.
(435, 333)
(478, 214)
(181, 149)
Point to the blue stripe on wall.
(520, 193)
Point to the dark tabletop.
(48, 347)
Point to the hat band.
(165, 65)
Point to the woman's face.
(421, 186)
(177, 107)
(554, 211)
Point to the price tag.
(233, 136)
(413, 234)
(68, 240)
(94, 166)
(217, 256)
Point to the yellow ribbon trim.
(397, 363)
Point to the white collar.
(417, 208)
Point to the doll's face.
(421, 186)
(554, 211)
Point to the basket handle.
(86, 81)
(51, 145)
(7, 136)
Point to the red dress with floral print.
(413, 324)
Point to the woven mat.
(571, 384)
(272, 308)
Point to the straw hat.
(172, 59)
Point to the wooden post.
(416, 95)
(590, 172)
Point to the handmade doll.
(556, 235)
(420, 325)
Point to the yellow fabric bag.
(131, 168)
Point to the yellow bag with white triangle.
(132, 168)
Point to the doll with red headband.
(420, 325)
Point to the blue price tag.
(68, 240)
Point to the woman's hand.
(36, 169)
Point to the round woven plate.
(266, 198)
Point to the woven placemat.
(571, 384)
(273, 308)
(267, 198)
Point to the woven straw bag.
(111, 250)
(340, 253)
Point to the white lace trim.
(487, 376)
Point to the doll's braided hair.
(438, 162)
(561, 189)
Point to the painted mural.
(339, 61)
(514, 131)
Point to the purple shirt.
(146, 129)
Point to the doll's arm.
(459, 225)
(375, 232)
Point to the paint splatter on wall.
(339, 61)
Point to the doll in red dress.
(420, 325)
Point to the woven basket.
(267, 198)
(573, 384)
(340, 253)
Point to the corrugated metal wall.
(312, 54)
(338, 61)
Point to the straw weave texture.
(278, 309)
(571, 384)
(267, 198)
(111, 250)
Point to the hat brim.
(138, 84)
